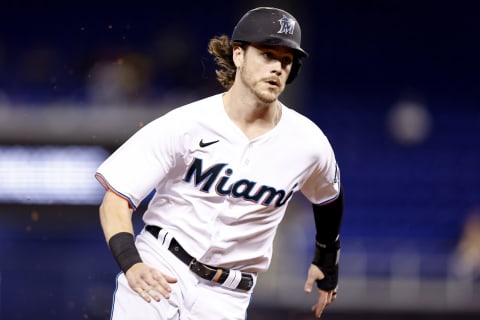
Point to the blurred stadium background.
(394, 84)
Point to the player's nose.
(276, 68)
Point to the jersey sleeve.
(137, 166)
(323, 185)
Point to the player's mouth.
(273, 82)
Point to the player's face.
(265, 69)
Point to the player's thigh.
(218, 303)
(127, 304)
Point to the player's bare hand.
(324, 297)
(149, 283)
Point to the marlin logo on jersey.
(243, 188)
(287, 25)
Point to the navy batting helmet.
(273, 27)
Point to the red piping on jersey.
(107, 186)
(331, 199)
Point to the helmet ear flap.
(297, 63)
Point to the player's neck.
(252, 117)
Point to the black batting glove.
(326, 258)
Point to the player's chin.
(269, 95)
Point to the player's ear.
(237, 55)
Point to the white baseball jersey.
(220, 194)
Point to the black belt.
(204, 271)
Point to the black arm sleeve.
(328, 219)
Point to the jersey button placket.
(246, 160)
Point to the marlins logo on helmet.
(287, 25)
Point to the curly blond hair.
(221, 48)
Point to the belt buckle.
(207, 273)
(197, 268)
(201, 270)
(193, 264)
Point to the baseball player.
(224, 169)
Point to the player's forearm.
(116, 221)
(115, 215)
(328, 220)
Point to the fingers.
(149, 283)
(314, 274)
(160, 283)
(308, 285)
(324, 299)
(321, 304)
(332, 296)
(146, 293)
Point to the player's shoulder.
(301, 122)
(199, 106)
(306, 131)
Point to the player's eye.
(286, 61)
(268, 55)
